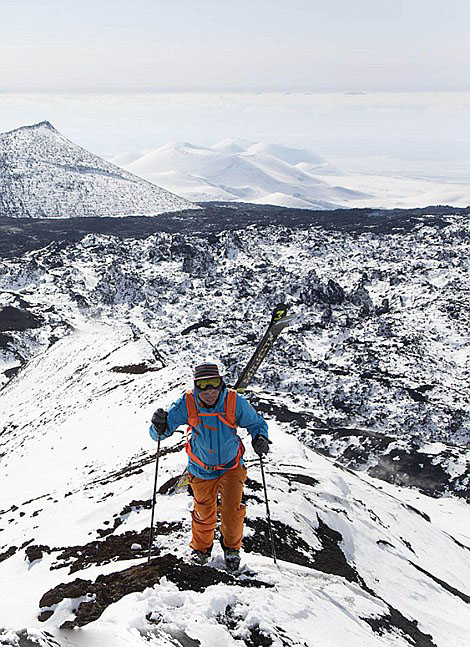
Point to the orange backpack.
(229, 419)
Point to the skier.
(215, 458)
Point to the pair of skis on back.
(279, 320)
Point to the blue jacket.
(214, 447)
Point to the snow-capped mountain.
(371, 377)
(237, 170)
(44, 175)
(264, 173)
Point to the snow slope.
(83, 443)
(44, 175)
(239, 170)
(369, 377)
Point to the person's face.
(209, 396)
(209, 389)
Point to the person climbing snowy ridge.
(215, 458)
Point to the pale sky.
(380, 84)
(258, 45)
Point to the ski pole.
(154, 499)
(268, 515)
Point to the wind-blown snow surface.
(371, 374)
(44, 175)
(263, 173)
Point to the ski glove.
(261, 444)
(159, 421)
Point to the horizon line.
(228, 90)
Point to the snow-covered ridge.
(44, 175)
(266, 173)
(237, 170)
(354, 561)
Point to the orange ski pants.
(232, 511)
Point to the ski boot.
(232, 559)
(200, 557)
(231, 556)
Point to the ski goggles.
(208, 383)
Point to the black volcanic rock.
(315, 291)
(17, 319)
(366, 365)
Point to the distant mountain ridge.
(239, 170)
(44, 175)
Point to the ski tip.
(281, 323)
(280, 311)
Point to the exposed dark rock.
(12, 318)
(251, 497)
(407, 544)
(23, 234)
(113, 548)
(133, 506)
(459, 543)
(304, 479)
(315, 291)
(333, 293)
(233, 620)
(281, 412)
(413, 469)
(5, 341)
(196, 261)
(290, 547)
(394, 621)
(36, 552)
(416, 511)
(29, 638)
(11, 372)
(331, 559)
(8, 553)
(445, 585)
(383, 308)
(205, 323)
(45, 615)
(134, 467)
(135, 369)
(406, 466)
(136, 505)
(343, 405)
(417, 393)
(257, 638)
(74, 589)
(169, 485)
(361, 298)
(251, 484)
(108, 589)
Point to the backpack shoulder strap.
(193, 415)
(230, 407)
